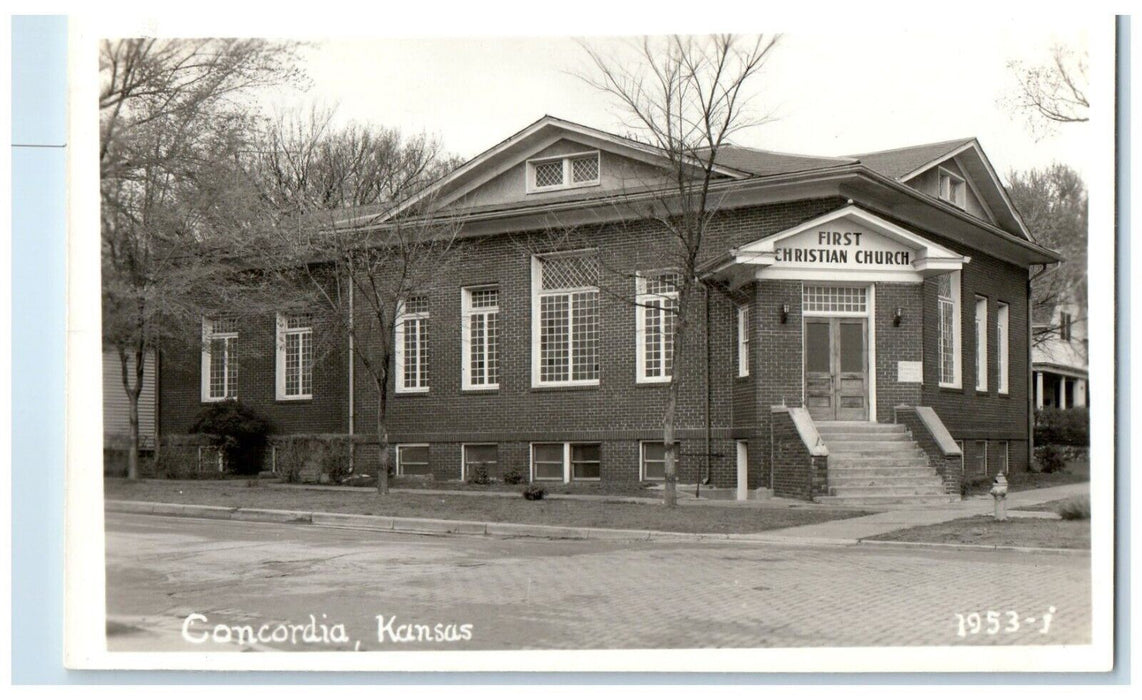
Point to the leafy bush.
(513, 476)
(1077, 508)
(1055, 426)
(971, 485)
(239, 431)
(534, 492)
(480, 476)
(1049, 459)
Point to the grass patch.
(691, 518)
(1025, 481)
(1021, 532)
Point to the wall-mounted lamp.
(897, 316)
(784, 313)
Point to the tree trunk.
(670, 490)
(133, 393)
(383, 457)
(670, 486)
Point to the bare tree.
(1053, 204)
(340, 249)
(1052, 92)
(173, 123)
(686, 96)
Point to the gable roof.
(903, 164)
(756, 161)
(899, 163)
(526, 142)
(733, 164)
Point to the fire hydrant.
(999, 493)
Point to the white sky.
(849, 77)
(832, 95)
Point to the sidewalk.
(846, 532)
(890, 521)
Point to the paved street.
(531, 593)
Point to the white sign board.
(843, 243)
(910, 372)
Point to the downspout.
(1030, 379)
(352, 360)
(706, 478)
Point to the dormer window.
(564, 172)
(952, 188)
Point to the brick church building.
(864, 337)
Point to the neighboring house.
(851, 293)
(1059, 359)
(116, 424)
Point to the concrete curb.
(890, 544)
(431, 526)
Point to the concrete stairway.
(873, 464)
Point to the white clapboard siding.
(116, 426)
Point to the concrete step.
(885, 500)
(866, 436)
(919, 479)
(885, 476)
(888, 449)
(858, 426)
(856, 459)
(892, 490)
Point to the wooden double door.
(836, 368)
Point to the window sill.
(294, 399)
(741, 377)
(565, 387)
(477, 391)
(410, 392)
(951, 389)
(655, 381)
(563, 188)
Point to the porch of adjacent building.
(1056, 390)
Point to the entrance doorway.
(836, 368)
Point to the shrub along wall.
(317, 458)
(1055, 426)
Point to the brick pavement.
(521, 594)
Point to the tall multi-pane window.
(1065, 324)
(219, 359)
(412, 345)
(481, 338)
(656, 304)
(566, 319)
(1003, 350)
(743, 341)
(294, 357)
(948, 301)
(981, 343)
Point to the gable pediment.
(984, 195)
(499, 176)
(850, 244)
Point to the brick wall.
(796, 473)
(895, 344)
(971, 415)
(620, 412)
(948, 467)
(180, 395)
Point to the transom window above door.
(822, 299)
